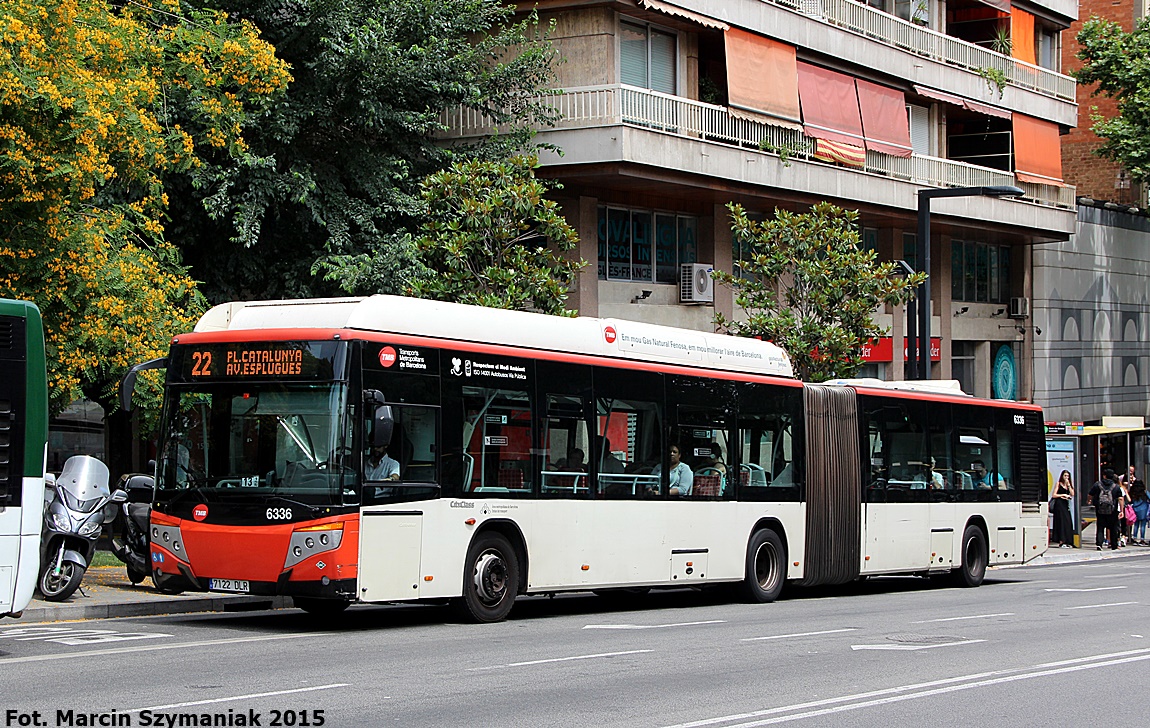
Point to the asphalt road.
(1032, 646)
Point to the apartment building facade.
(673, 108)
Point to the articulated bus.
(390, 449)
(23, 451)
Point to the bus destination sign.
(287, 359)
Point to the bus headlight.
(311, 540)
(170, 538)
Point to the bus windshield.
(272, 438)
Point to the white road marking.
(74, 636)
(959, 619)
(652, 626)
(560, 659)
(913, 648)
(150, 648)
(927, 689)
(1097, 606)
(798, 634)
(249, 696)
(1092, 589)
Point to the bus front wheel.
(490, 579)
(974, 558)
(766, 567)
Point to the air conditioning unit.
(695, 284)
(1019, 308)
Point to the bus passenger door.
(389, 555)
(897, 496)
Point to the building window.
(962, 364)
(646, 246)
(979, 272)
(647, 58)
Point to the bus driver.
(381, 466)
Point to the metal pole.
(911, 349)
(922, 263)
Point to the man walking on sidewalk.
(1107, 499)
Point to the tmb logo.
(609, 334)
(387, 356)
(200, 512)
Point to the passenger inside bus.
(981, 478)
(574, 462)
(680, 478)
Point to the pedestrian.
(1060, 500)
(1141, 505)
(1125, 513)
(1106, 497)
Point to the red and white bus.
(539, 454)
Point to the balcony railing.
(860, 18)
(614, 105)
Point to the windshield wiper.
(313, 509)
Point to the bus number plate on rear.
(228, 585)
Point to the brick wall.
(1092, 175)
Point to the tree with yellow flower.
(89, 94)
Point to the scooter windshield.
(285, 439)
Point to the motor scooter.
(74, 513)
(132, 544)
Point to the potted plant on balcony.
(1001, 42)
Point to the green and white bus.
(23, 451)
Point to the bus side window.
(629, 415)
(496, 441)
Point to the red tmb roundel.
(387, 356)
(200, 512)
(609, 334)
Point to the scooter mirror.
(119, 496)
(50, 480)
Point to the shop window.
(640, 245)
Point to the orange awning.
(1037, 152)
(1022, 35)
(761, 76)
(884, 121)
(830, 105)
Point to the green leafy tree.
(1117, 62)
(330, 187)
(493, 239)
(809, 287)
(87, 141)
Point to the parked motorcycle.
(131, 544)
(73, 516)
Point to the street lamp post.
(920, 369)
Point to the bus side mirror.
(128, 383)
(383, 425)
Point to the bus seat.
(707, 486)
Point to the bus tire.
(321, 607)
(766, 567)
(972, 570)
(490, 579)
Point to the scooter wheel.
(58, 587)
(136, 576)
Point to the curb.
(110, 610)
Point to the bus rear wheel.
(972, 570)
(321, 607)
(490, 579)
(766, 567)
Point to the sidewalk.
(107, 593)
